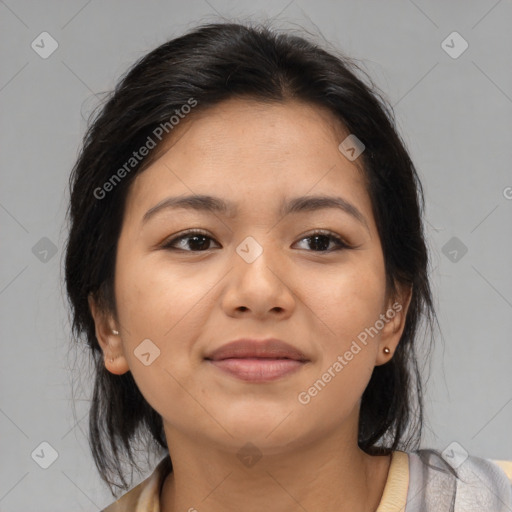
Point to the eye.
(199, 241)
(322, 239)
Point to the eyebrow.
(216, 205)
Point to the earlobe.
(116, 364)
(109, 339)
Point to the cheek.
(155, 304)
(152, 297)
(165, 305)
(336, 393)
(348, 353)
(351, 300)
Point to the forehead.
(245, 124)
(250, 152)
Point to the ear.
(394, 319)
(110, 343)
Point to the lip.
(257, 360)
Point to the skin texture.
(189, 303)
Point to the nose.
(259, 284)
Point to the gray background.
(454, 114)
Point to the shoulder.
(453, 478)
(145, 497)
(506, 466)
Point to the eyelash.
(194, 232)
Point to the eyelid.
(339, 240)
(167, 243)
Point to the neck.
(331, 475)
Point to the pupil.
(193, 240)
(316, 242)
(323, 246)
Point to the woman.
(247, 263)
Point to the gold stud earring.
(386, 350)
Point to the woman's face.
(253, 272)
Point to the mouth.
(257, 360)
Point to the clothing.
(419, 481)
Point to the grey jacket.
(476, 485)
